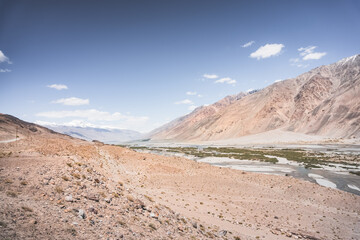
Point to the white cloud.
(191, 93)
(5, 70)
(226, 80)
(91, 115)
(308, 53)
(4, 58)
(58, 86)
(192, 107)
(210, 76)
(267, 51)
(278, 80)
(314, 56)
(200, 96)
(248, 44)
(72, 101)
(294, 60)
(185, 101)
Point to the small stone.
(93, 210)
(108, 200)
(33, 221)
(222, 233)
(69, 198)
(194, 224)
(93, 197)
(75, 223)
(81, 214)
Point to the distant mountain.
(111, 136)
(324, 101)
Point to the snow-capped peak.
(348, 59)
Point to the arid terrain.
(57, 187)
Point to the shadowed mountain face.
(14, 128)
(324, 101)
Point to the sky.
(139, 64)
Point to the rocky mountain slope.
(324, 101)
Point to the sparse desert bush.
(121, 222)
(8, 181)
(27, 209)
(152, 226)
(24, 183)
(58, 189)
(2, 224)
(149, 198)
(11, 194)
(76, 175)
(65, 178)
(130, 198)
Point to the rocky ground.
(62, 188)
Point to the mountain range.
(110, 136)
(323, 102)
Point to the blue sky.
(139, 64)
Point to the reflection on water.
(339, 180)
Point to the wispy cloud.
(200, 96)
(58, 86)
(72, 101)
(297, 62)
(192, 107)
(91, 115)
(210, 76)
(248, 44)
(226, 80)
(5, 70)
(278, 80)
(308, 53)
(267, 51)
(4, 58)
(185, 101)
(191, 93)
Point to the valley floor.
(64, 189)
